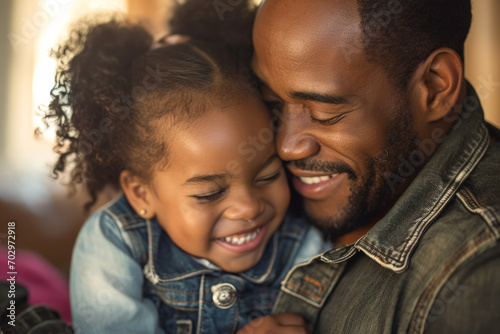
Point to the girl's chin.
(238, 264)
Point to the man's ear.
(439, 81)
(138, 194)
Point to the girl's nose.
(245, 206)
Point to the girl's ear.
(138, 194)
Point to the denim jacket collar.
(392, 240)
(186, 266)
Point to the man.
(387, 144)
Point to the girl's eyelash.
(272, 177)
(210, 197)
(329, 121)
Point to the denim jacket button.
(224, 295)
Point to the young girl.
(198, 242)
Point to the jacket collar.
(393, 239)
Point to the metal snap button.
(224, 295)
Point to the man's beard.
(370, 193)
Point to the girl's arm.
(106, 282)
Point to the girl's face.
(224, 192)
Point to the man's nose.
(293, 140)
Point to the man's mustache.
(327, 167)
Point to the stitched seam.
(165, 290)
(150, 263)
(187, 302)
(124, 221)
(420, 314)
(134, 247)
(200, 305)
(196, 273)
(299, 296)
(304, 290)
(235, 321)
(473, 205)
(287, 278)
(350, 253)
(373, 255)
(472, 199)
(314, 282)
(398, 262)
(133, 227)
(139, 252)
(126, 234)
(180, 308)
(166, 299)
(453, 185)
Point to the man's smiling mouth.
(316, 179)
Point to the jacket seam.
(200, 305)
(298, 288)
(472, 204)
(235, 320)
(472, 161)
(125, 234)
(424, 305)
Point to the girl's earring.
(142, 212)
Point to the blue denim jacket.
(127, 276)
(432, 264)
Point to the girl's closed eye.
(270, 178)
(210, 197)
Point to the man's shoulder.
(476, 203)
(460, 254)
(470, 222)
(466, 299)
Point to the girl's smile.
(243, 242)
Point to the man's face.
(343, 125)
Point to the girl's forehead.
(237, 133)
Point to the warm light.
(60, 14)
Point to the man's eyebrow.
(311, 96)
(321, 98)
(206, 178)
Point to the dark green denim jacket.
(432, 264)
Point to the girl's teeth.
(316, 179)
(242, 240)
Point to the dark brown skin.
(315, 47)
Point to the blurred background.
(47, 220)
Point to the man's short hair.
(400, 34)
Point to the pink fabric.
(44, 283)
